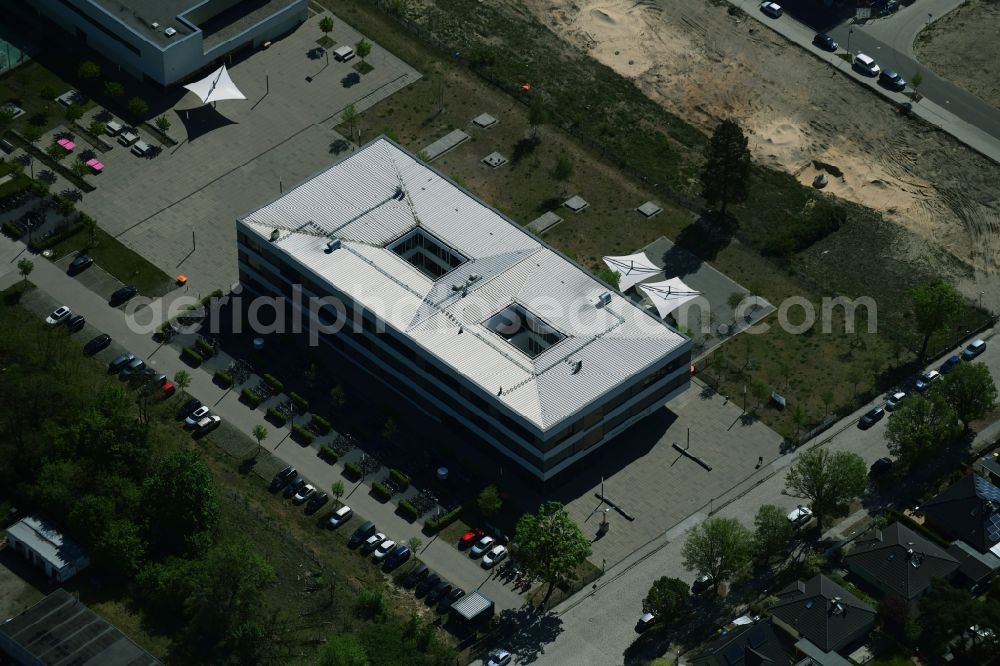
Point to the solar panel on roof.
(987, 490)
(733, 654)
(993, 527)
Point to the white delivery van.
(344, 53)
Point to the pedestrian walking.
(760, 461)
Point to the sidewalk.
(56, 288)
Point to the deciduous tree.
(935, 305)
(24, 267)
(550, 545)
(719, 547)
(181, 504)
(920, 427)
(969, 389)
(666, 599)
(772, 531)
(489, 501)
(826, 479)
(343, 650)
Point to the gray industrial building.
(460, 311)
(168, 41)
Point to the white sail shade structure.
(669, 295)
(216, 87)
(633, 269)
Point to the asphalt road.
(597, 625)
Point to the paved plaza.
(237, 155)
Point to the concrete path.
(55, 288)
(957, 112)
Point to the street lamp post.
(850, 31)
(981, 299)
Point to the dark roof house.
(748, 645)
(899, 561)
(969, 510)
(824, 613)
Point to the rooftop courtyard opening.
(427, 253)
(526, 331)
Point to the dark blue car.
(397, 557)
(949, 364)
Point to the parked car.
(481, 546)
(435, 595)
(96, 344)
(122, 295)
(282, 477)
(471, 537)
(132, 367)
(294, 486)
(701, 583)
(427, 584)
(772, 9)
(120, 362)
(825, 42)
(450, 598)
(800, 515)
(493, 556)
(866, 65)
(949, 364)
(925, 380)
(167, 389)
(316, 501)
(305, 492)
(499, 658)
(80, 263)
(975, 348)
(341, 516)
(880, 467)
(417, 574)
(197, 415)
(372, 542)
(208, 424)
(892, 80)
(893, 402)
(366, 530)
(75, 323)
(645, 622)
(871, 417)
(383, 549)
(397, 557)
(59, 315)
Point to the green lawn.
(113, 256)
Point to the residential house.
(899, 561)
(754, 644)
(823, 613)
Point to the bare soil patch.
(958, 47)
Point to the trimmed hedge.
(301, 434)
(299, 402)
(250, 398)
(192, 356)
(381, 491)
(321, 424)
(55, 239)
(401, 479)
(223, 379)
(351, 469)
(407, 510)
(276, 417)
(9, 229)
(435, 525)
(205, 347)
(327, 453)
(274, 383)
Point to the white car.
(926, 379)
(304, 494)
(491, 558)
(208, 423)
(482, 546)
(196, 416)
(772, 9)
(384, 549)
(499, 658)
(800, 515)
(372, 542)
(59, 315)
(866, 65)
(341, 516)
(894, 400)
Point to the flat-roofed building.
(47, 548)
(460, 311)
(166, 41)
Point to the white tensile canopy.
(216, 87)
(633, 269)
(669, 295)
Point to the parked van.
(113, 128)
(866, 65)
(344, 53)
(975, 348)
(141, 149)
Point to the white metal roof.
(381, 192)
(46, 541)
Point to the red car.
(471, 537)
(167, 389)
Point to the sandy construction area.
(705, 65)
(962, 47)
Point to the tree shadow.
(529, 630)
(700, 241)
